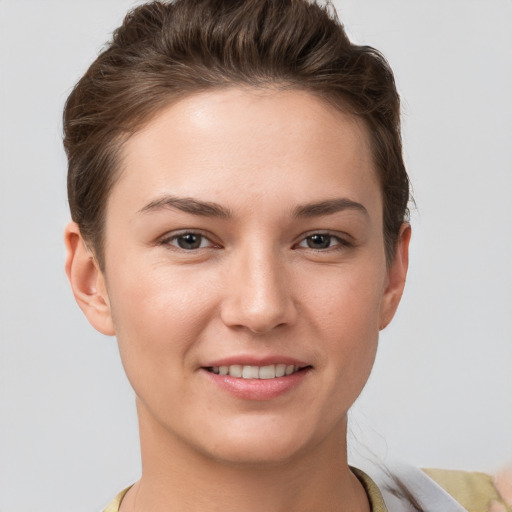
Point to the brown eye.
(319, 241)
(323, 242)
(188, 241)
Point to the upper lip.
(252, 360)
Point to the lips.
(253, 378)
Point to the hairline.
(137, 123)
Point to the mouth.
(259, 379)
(271, 371)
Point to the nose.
(258, 294)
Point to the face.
(245, 273)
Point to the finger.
(503, 483)
(496, 506)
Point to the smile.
(270, 371)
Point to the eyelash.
(341, 243)
(167, 241)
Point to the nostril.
(263, 331)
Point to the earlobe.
(397, 273)
(87, 281)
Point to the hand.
(503, 484)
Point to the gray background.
(440, 394)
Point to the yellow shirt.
(474, 491)
(374, 496)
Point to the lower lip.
(257, 389)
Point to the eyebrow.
(328, 208)
(188, 205)
(210, 209)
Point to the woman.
(239, 205)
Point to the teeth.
(280, 370)
(250, 372)
(255, 372)
(267, 372)
(235, 370)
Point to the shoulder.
(437, 489)
(473, 490)
(116, 502)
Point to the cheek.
(159, 318)
(158, 314)
(346, 300)
(346, 312)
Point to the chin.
(264, 444)
(257, 454)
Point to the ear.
(87, 281)
(397, 273)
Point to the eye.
(321, 241)
(188, 241)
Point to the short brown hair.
(164, 51)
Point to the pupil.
(319, 241)
(189, 241)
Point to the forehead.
(258, 142)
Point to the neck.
(178, 476)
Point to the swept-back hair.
(164, 51)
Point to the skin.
(503, 482)
(256, 287)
